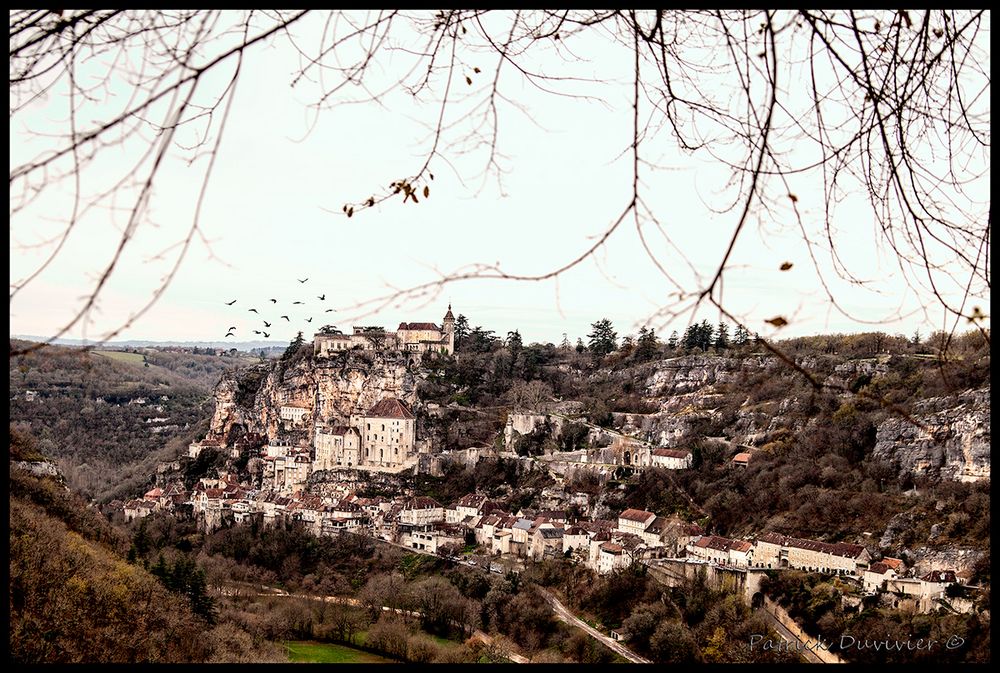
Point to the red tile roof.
(390, 408)
(639, 515)
(879, 568)
(417, 326)
(422, 502)
(939, 576)
(843, 549)
(741, 458)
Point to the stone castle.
(416, 337)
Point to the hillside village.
(308, 443)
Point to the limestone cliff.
(331, 389)
(953, 444)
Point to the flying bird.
(266, 335)
(274, 301)
(309, 319)
(303, 280)
(322, 297)
(230, 303)
(230, 334)
(286, 318)
(255, 311)
(329, 309)
(267, 324)
(232, 328)
(256, 332)
(297, 302)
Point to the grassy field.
(122, 356)
(330, 653)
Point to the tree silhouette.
(602, 338)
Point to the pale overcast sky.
(272, 215)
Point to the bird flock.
(231, 332)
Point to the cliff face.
(694, 372)
(331, 389)
(954, 444)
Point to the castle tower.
(448, 325)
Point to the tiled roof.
(894, 563)
(471, 500)
(743, 457)
(417, 326)
(639, 515)
(843, 549)
(390, 408)
(340, 430)
(550, 533)
(939, 576)
(611, 547)
(671, 453)
(879, 568)
(421, 502)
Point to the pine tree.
(722, 336)
(603, 338)
(705, 335)
(461, 330)
(579, 345)
(691, 337)
(741, 336)
(565, 345)
(293, 347)
(646, 346)
(673, 341)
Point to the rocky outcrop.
(954, 442)
(960, 559)
(331, 389)
(694, 372)
(38, 468)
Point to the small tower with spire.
(448, 325)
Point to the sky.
(272, 215)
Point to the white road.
(564, 614)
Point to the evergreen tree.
(481, 340)
(565, 345)
(722, 336)
(915, 339)
(691, 337)
(646, 346)
(461, 330)
(579, 345)
(293, 347)
(514, 346)
(514, 343)
(741, 336)
(602, 337)
(705, 335)
(673, 341)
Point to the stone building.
(772, 550)
(388, 434)
(671, 459)
(414, 337)
(336, 447)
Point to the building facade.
(414, 337)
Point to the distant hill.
(138, 343)
(106, 417)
